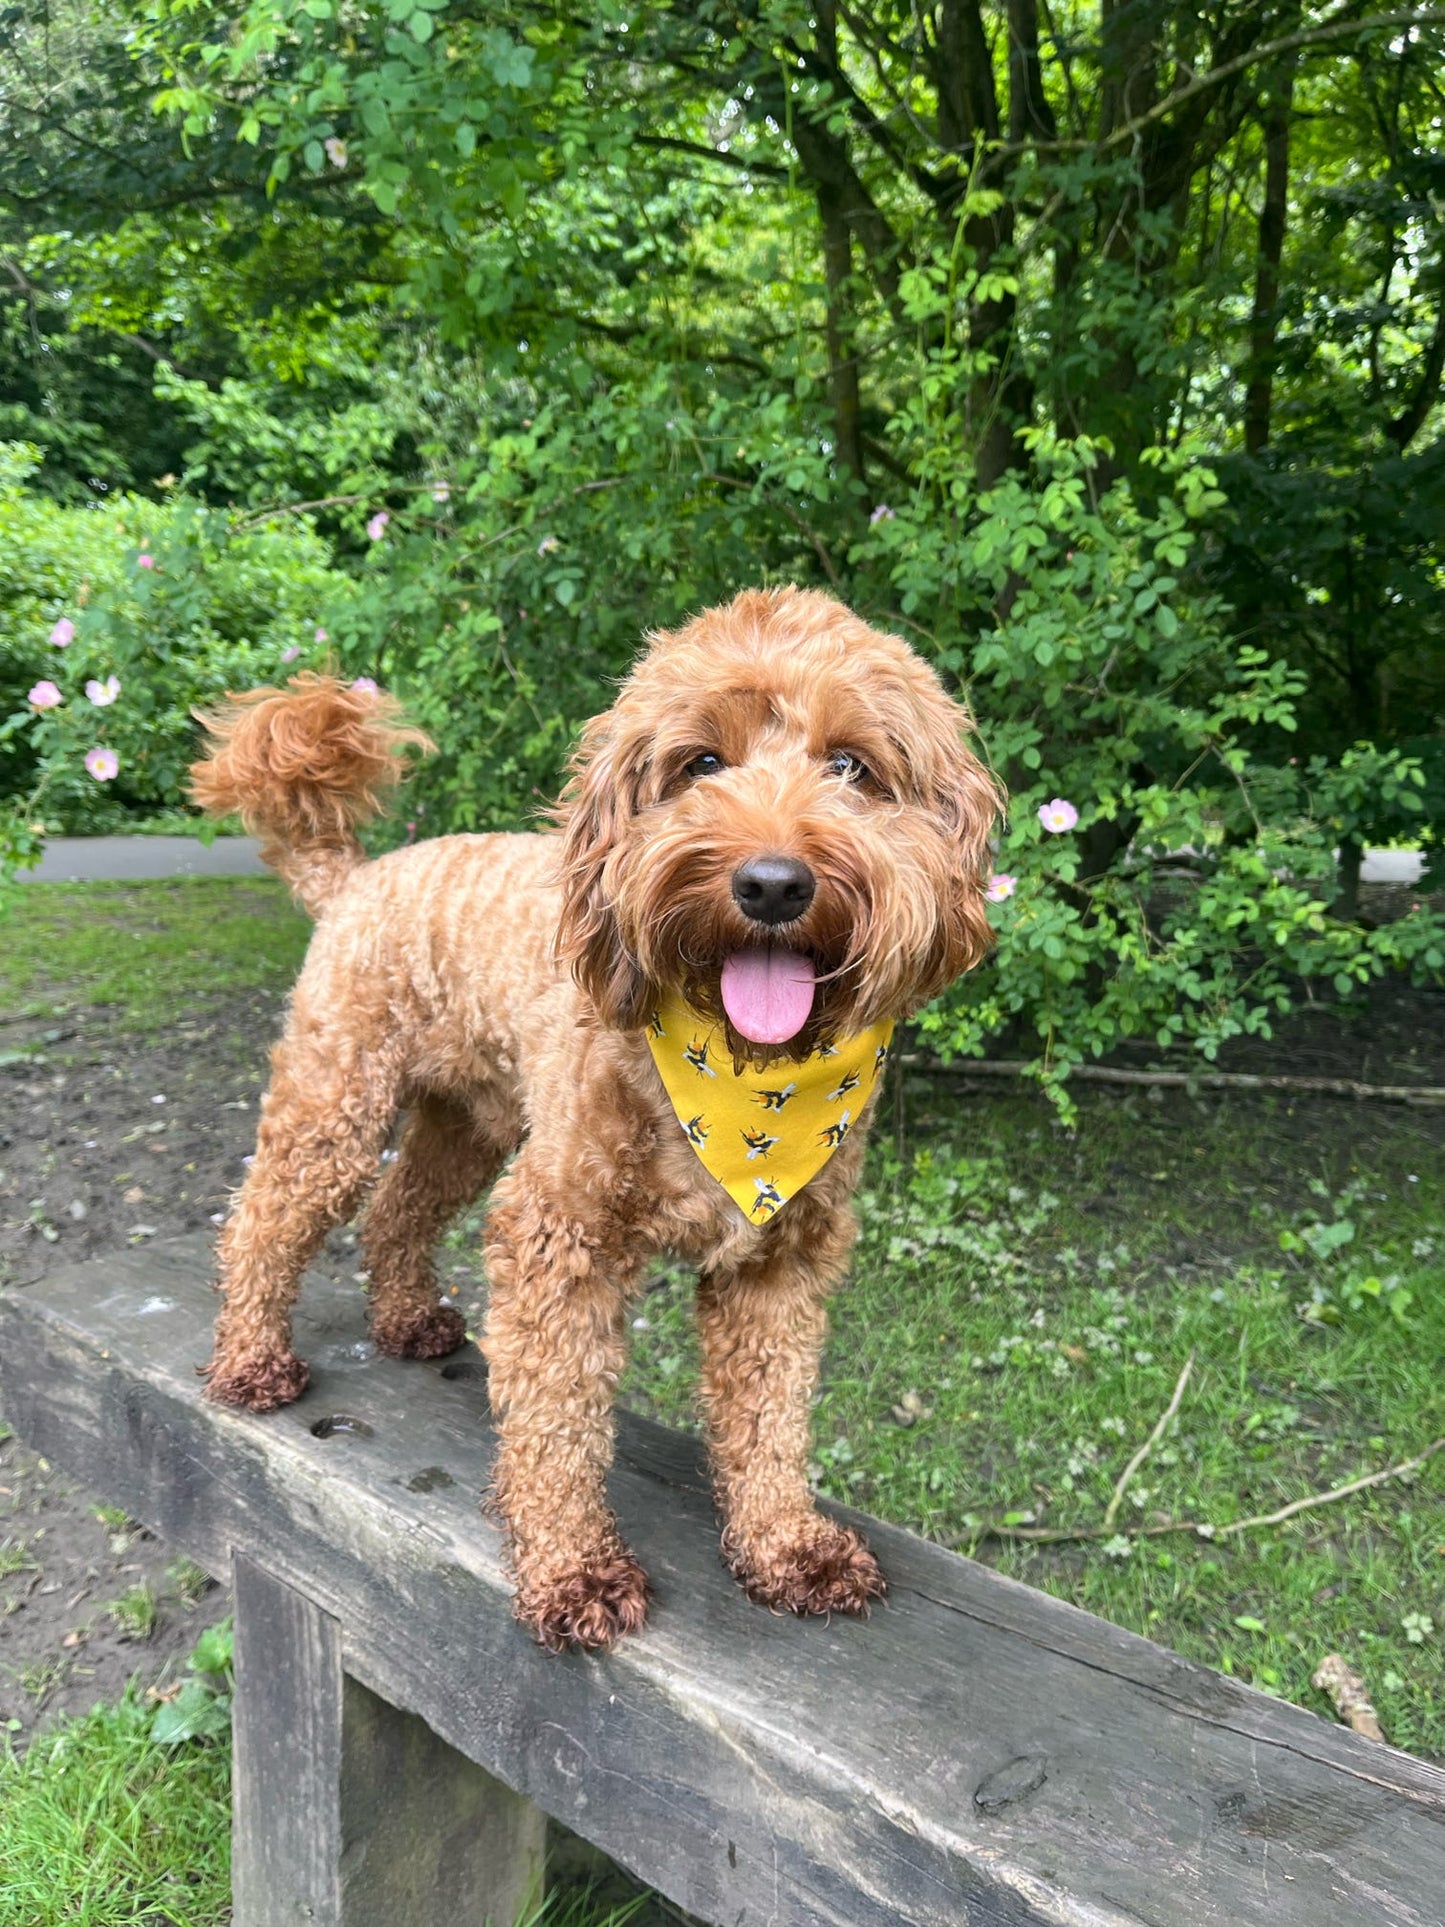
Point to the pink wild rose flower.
(103, 694)
(376, 527)
(1001, 887)
(102, 764)
(45, 696)
(1058, 816)
(63, 634)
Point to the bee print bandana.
(762, 1134)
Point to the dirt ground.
(108, 1139)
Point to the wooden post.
(347, 1812)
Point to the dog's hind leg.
(447, 1158)
(762, 1325)
(324, 1122)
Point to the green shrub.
(117, 619)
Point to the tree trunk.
(1264, 322)
(1346, 905)
(843, 386)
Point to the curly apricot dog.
(778, 827)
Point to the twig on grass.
(1049, 1535)
(1334, 1675)
(1327, 1498)
(1426, 1096)
(1117, 1499)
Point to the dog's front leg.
(762, 1326)
(554, 1346)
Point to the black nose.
(773, 889)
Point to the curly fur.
(302, 767)
(495, 987)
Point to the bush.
(117, 619)
(1169, 865)
(1168, 869)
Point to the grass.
(1022, 1304)
(150, 950)
(99, 1827)
(135, 1611)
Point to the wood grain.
(975, 1753)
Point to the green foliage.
(174, 602)
(563, 326)
(201, 1710)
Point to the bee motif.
(759, 1144)
(850, 1083)
(696, 1131)
(834, 1135)
(775, 1100)
(654, 1027)
(827, 1050)
(880, 1058)
(768, 1200)
(695, 1054)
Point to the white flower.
(103, 694)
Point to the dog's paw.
(420, 1334)
(589, 1609)
(257, 1384)
(830, 1570)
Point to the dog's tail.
(303, 766)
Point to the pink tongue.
(767, 994)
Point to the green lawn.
(100, 1827)
(152, 951)
(1023, 1303)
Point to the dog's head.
(778, 816)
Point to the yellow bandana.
(762, 1134)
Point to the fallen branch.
(1424, 1095)
(1069, 1535)
(1328, 1498)
(1335, 1676)
(1148, 1446)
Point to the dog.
(779, 822)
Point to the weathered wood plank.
(286, 1727)
(347, 1811)
(427, 1835)
(974, 1753)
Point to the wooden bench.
(974, 1753)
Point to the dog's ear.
(968, 801)
(599, 800)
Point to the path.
(129, 859)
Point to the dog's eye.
(842, 762)
(705, 765)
